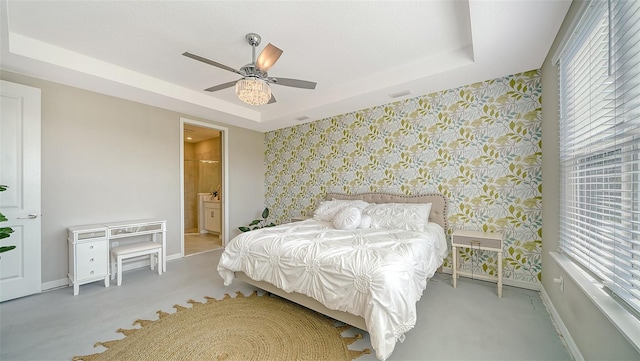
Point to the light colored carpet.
(469, 322)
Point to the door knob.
(30, 216)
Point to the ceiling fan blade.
(269, 55)
(296, 83)
(210, 62)
(221, 86)
(272, 100)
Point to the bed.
(370, 276)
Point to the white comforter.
(378, 274)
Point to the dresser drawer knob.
(91, 272)
(90, 247)
(91, 260)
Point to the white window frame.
(617, 300)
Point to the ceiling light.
(253, 91)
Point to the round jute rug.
(234, 328)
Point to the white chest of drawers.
(88, 255)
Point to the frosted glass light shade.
(253, 91)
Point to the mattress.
(377, 274)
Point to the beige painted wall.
(109, 159)
(596, 337)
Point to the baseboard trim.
(560, 327)
(505, 281)
(141, 263)
(171, 257)
(52, 285)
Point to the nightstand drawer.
(471, 241)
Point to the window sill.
(618, 314)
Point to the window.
(600, 146)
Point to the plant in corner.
(5, 232)
(258, 223)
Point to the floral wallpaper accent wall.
(478, 144)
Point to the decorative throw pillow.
(407, 216)
(348, 218)
(365, 221)
(327, 210)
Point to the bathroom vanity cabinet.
(212, 216)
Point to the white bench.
(118, 254)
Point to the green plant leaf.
(6, 248)
(265, 213)
(244, 229)
(5, 232)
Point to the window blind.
(600, 146)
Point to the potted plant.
(5, 232)
(258, 223)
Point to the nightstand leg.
(500, 274)
(454, 254)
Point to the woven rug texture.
(242, 328)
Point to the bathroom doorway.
(203, 184)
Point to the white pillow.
(407, 216)
(327, 210)
(365, 221)
(348, 218)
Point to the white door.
(20, 273)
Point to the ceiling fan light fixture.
(253, 91)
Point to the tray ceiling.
(361, 53)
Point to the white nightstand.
(477, 240)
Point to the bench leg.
(159, 259)
(152, 260)
(113, 267)
(119, 261)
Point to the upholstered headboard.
(438, 202)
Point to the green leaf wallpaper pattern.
(478, 144)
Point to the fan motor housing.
(253, 71)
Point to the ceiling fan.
(253, 88)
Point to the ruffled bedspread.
(378, 274)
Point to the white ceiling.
(359, 52)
